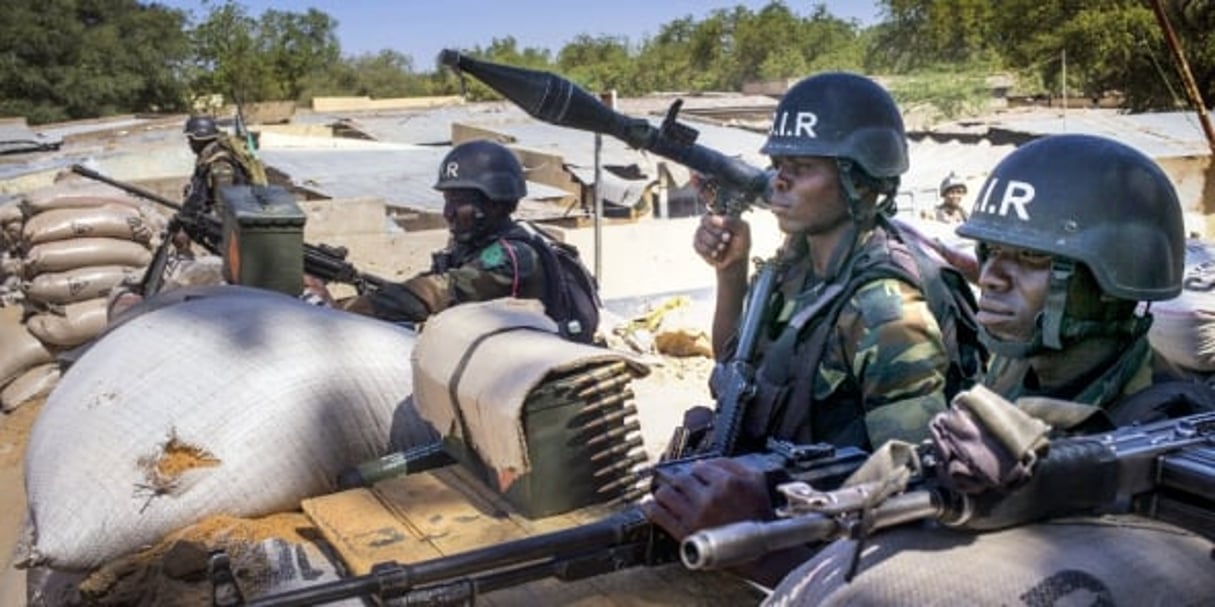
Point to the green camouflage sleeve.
(893, 346)
(505, 268)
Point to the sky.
(422, 28)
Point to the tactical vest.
(784, 405)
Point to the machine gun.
(624, 540)
(1164, 470)
(323, 261)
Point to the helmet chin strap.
(1055, 328)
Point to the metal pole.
(598, 208)
(1065, 90)
(1187, 78)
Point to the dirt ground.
(642, 264)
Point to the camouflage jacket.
(881, 362)
(217, 165)
(494, 268)
(1128, 375)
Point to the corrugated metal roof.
(401, 176)
(931, 162)
(17, 136)
(1157, 134)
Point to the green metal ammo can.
(263, 243)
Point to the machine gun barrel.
(84, 171)
(556, 100)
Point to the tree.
(69, 59)
(272, 57)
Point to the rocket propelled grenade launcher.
(555, 100)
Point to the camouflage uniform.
(490, 269)
(216, 166)
(880, 374)
(950, 214)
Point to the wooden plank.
(363, 532)
(447, 511)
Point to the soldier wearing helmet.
(950, 210)
(850, 355)
(1073, 233)
(482, 182)
(220, 160)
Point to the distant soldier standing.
(220, 160)
(950, 209)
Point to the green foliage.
(71, 59)
(949, 91)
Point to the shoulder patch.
(492, 256)
(880, 302)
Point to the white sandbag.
(79, 284)
(1183, 330)
(269, 397)
(19, 350)
(29, 385)
(106, 221)
(75, 324)
(1116, 560)
(63, 255)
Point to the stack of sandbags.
(77, 246)
(66, 246)
(1183, 330)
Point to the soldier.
(1073, 232)
(219, 161)
(1062, 308)
(950, 210)
(490, 254)
(848, 354)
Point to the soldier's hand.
(722, 241)
(712, 493)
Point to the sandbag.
(63, 255)
(233, 401)
(105, 221)
(19, 351)
(79, 284)
(66, 195)
(75, 324)
(1117, 560)
(10, 213)
(31, 384)
(1183, 328)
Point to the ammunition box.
(263, 239)
(560, 437)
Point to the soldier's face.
(1014, 284)
(806, 195)
(953, 196)
(462, 210)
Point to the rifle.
(623, 540)
(323, 261)
(1164, 470)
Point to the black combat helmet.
(1089, 199)
(840, 115)
(485, 166)
(201, 128)
(1084, 200)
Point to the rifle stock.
(321, 260)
